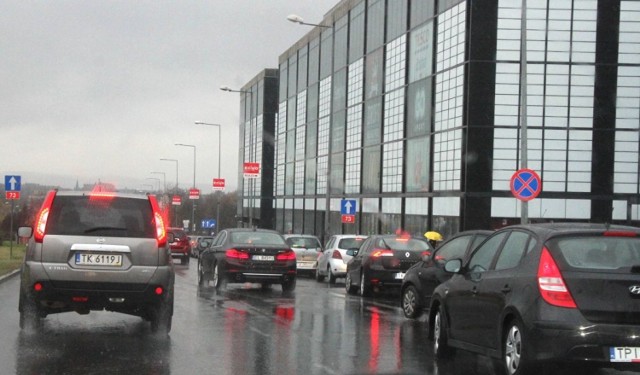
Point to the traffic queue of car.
(527, 295)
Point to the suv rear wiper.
(96, 229)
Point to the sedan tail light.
(336, 255)
(552, 287)
(236, 254)
(286, 255)
(43, 216)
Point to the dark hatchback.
(241, 255)
(381, 262)
(541, 293)
(421, 279)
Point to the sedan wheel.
(348, 285)
(440, 348)
(365, 289)
(410, 305)
(218, 280)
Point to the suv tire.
(289, 285)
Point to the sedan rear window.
(257, 238)
(597, 252)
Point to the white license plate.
(264, 257)
(88, 259)
(399, 275)
(624, 354)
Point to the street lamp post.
(219, 158)
(164, 179)
(176, 160)
(297, 19)
(251, 146)
(193, 210)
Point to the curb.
(9, 275)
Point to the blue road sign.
(348, 207)
(12, 183)
(526, 184)
(208, 223)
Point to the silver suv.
(97, 251)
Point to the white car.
(307, 248)
(334, 259)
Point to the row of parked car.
(525, 295)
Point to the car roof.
(289, 235)
(556, 229)
(244, 230)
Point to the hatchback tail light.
(236, 254)
(552, 287)
(286, 255)
(161, 233)
(336, 255)
(43, 216)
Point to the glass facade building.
(412, 108)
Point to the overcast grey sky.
(103, 89)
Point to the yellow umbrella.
(433, 236)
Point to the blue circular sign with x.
(526, 184)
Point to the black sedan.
(426, 275)
(381, 262)
(544, 292)
(248, 255)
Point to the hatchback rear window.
(597, 252)
(350, 243)
(396, 243)
(112, 217)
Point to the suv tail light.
(336, 255)
(43, 216)
(161, 233)
(236, 254)
(552, 287)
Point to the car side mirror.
(453, 265)
(352, 252)
(25, 232)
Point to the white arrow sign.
(13, 182)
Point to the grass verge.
(10, 263)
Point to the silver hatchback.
(97, 251)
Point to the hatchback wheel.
(161, 320)
(348, 285)
(410, 302)
(440, 348)
(514, 350)
(332, 277)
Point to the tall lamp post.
(297, 19)
(176, 160)
(193, 210)
(251, 146)
(219, 158)
(164, 179)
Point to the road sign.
(12, 183)
(251, 170)
(348, 207)
(194, 193)
(348, 219)
(8, 195)
(208, 223)
(176, 200)
(525, 184)
(218, 184)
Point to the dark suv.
(97, 251)
(180, 246)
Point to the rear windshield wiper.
(97, 229)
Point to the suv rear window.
(597, 252)
(109, 217)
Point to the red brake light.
(161, 233)
(43, 215)
(381, 253)
(286, 255)
(336, 255)
(159, 290)
(613, 233)
(552, 287)
(236, 254)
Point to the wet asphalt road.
(317, 329)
